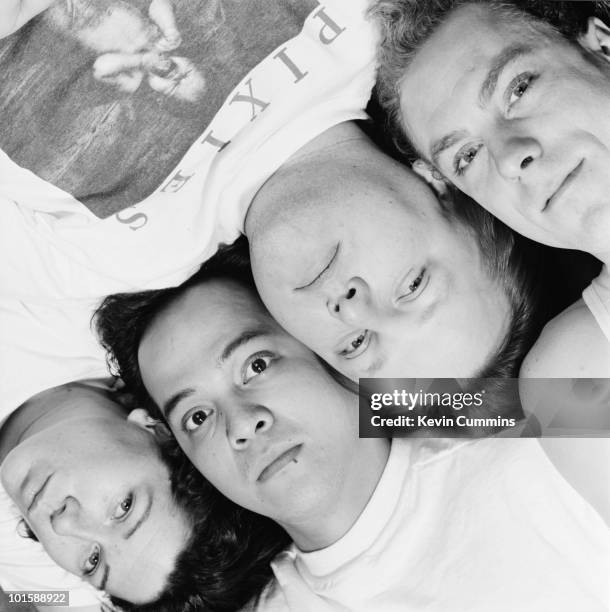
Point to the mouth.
(37, 494)
(565, 185)
(355, 345)
(411, 285)
(280, 462)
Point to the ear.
(596, 38)
(142, 418)
(431, 175)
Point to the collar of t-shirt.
(369, 524)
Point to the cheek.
(196, 454)
(301, 316)
(215, 464)
(274, 286)
(341, 367)
(61, 550)
(485, 315)
(312, 327)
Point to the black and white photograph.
(304, 305)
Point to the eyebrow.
(174, 400)
(498, 64)
(323, 271)
(104, 581)
(141, 520)
(170, 405)
(444, 143)
(240, 340)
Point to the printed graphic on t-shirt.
(103, 98)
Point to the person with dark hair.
(361, 261)
(111, 500)
(509, 101)
(134, 134)
(377, 525)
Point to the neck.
(345, 504)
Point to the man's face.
(251, 407)
(367, 272)
(518, 120)
(97, 496)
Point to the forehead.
(440, 88)
(218, 305)
(198, 324)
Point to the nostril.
(259, 425)
(57, 513)
(336, 307)
(351, 293)
(526, 162)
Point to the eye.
(356, 345)
(123, 508)
(92, 562)
(255, 366)
(518, 86)
(195, 419)
(464, 157)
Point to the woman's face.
(360, 264)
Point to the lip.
(340, 349)
(406, 280)
(564, 186)
(279, 463)
(38, 494)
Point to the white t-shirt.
(597, 298)
(483, 526)
(54, 248)
(320, 78)
(58, 259)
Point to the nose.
(515, 156)
(71, 520)
(351, 304)
(244, 423)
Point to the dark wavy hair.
(122, 319)
(406, 25)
